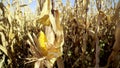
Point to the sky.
(71, 1)
(34, 3)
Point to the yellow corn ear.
(42, 41)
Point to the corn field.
(55, 34)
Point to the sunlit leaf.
(109, 18)
(3, 39)
(39, 63)
(46, 8)
(49, 35)
(30, 37)
(3, 49)
(11, 34)
(2, 61)
(2, 28)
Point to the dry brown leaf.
(109, 19)
(23, 5)
(57, 20)
(60, 62)
(53, 53)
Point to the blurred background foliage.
(89, 27)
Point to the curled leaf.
(45, 20)
(44, 17)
